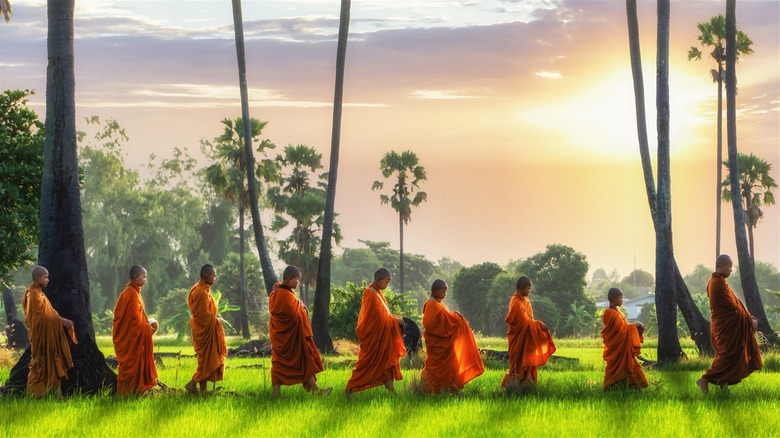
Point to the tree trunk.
(719, 182)
(16, 334)
(747, 273)
(61, 249)
(321, 311)
(269, 277)
(401, 264)
(242, 272)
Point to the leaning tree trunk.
(401, 252)
(61, 249)
(697, 324)
(242, 272)
(719, 182)
(321, 311)
(269, 277)
(747, 271)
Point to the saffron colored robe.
(208, 336)
(530, 345)
(133, 343)
(381, 343)
(731, 331)
(50, 353)
(294, 357)
(621, 347)
(453, 357)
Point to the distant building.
(632, 307)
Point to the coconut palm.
(321, 312)
(712, 35)
(756, 185)
(407, 173)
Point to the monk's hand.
(68, 324)
(755, 323)
(640, 328)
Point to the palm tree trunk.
(241, 272)
(269, 277)
(719, 182)
(321, 311)
(401, 264)
(747, 273)
(62, 250)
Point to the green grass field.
(568, 401)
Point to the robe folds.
(50, 353)
(208, 336)
(453, 357)
(294, 356)
(621, 347)
(381, 343)
(530, 345)
(731, 331)
(133, 343)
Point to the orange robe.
(50, 353)
(294, 357)
(731, 331)
(133, 343)
(621, 347)
(208, 337)
(381, 344)
(453, 357)
(530, 345)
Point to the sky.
(521, 111)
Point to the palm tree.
(756, 185)
(269, 276)
(321, 313)
(666, 264)
(5, 9)
(406, 170)
(61, 246)
(747, 271)
(712, 34)
(226, 176)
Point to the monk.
(50, 353)
(621, 345)
(530, 343)
(379, 335)
(294, 357)
(132, 333)
(732, 331)
(453, 357)
(208, 336)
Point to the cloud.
(548, 74)
(440, 94)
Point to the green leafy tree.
(756, 190)
(471, 289)
(407, 175)
(697, 280)
(230, 282)
(180, 321)
(345, 309)
(580, 319)
(712, 36)
(21, 155)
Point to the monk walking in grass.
(208, 336)
(732, 330)
(50, 357)
(379, 335)
(294, 357)
(453, 357)
(622, 344)
(530, 343)
(132, 334)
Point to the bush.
(345, 309)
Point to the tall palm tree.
(408, 174)
(697, 324)
(61, 246)
(712, 34)
(756, 185)
(747, 271)
(321, 311)
(269, 276)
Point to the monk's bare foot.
(703, 385)
(191, 387)
(348, 393)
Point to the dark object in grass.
(253, 348)
(15, 330)
(412, 337)
(113, 362)
(647, 362)
(504, 355)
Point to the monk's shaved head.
(291, 272)
(723, 259)
(206, 270)
(523, 282)
(438, 284)
(614, 293)
(136, 270)
(382, 274)
(38, 271)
